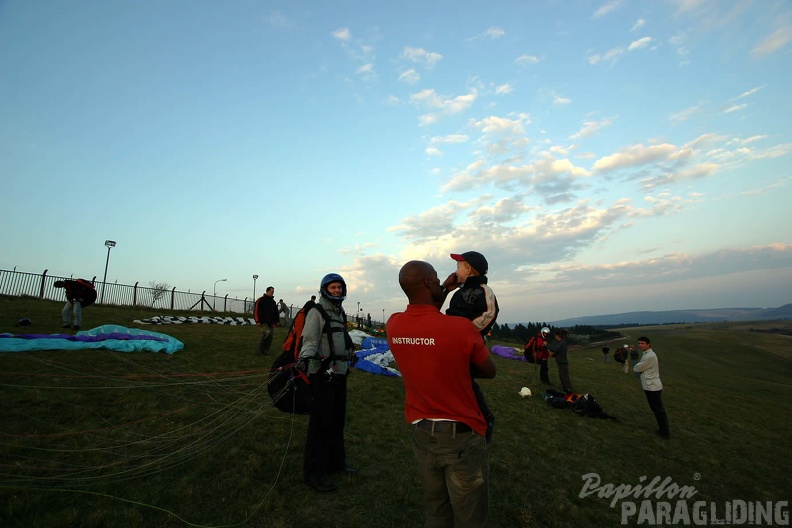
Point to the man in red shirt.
(435, 353)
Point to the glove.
(301, 364)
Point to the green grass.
(97, 438)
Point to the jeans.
(72, 313)
(266, 339)
(454, 473)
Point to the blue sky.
(606, 156)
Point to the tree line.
(522, 332)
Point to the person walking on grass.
(438, 356)
(267, 318)
(80, 294)
(648, 369)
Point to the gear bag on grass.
(287, 385)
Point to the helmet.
(329, 279)
(545, 331)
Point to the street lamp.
(110, 244)
(254, 287)
(214, 292)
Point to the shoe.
(663, 436)
(66, 325)
(348, 470)
(322, 486)
(76, 328)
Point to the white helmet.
(545, 331)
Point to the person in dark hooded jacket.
(80, 294)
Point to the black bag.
(288, 386)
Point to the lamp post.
(214, 292)
(110, 244)
(254, 287)
(383, 316)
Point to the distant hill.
(683, 316)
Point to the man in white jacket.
(649, 371)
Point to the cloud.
(591, 128)
(634, 156)
(435, 222)
(433, 151)
(606, 8)
(493, 33)
(450, 138)
(772, 43)
(279, 20)
(684, 115)
(428, 59)
(441, 105)
(735, 108)
(342, 34)
(640, 43)
(638, 25)
(749, 93)
(504, 89)
(612, 55)
(522, 60)
(410, 76)
(559, 99)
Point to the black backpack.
(288, 386)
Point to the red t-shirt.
(434, 353)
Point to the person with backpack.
(80, 294)
(267, 318)
(536, 352)
(326, 355)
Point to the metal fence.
(18, 283)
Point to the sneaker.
(65, 325)
(76, 328)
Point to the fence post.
(225, 303)
(173, 297)
(43, 279)
(134, 293)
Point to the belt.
(435, 426)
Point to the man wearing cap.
(476, 301)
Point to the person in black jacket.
(476, 301)
(80, 294)
(267, 318)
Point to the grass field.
(97, 438)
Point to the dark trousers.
(324, 446)
(267, 332)
(655, 399)
(563, 375)
(485, 410)
(544, 373)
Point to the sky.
(605, 156)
